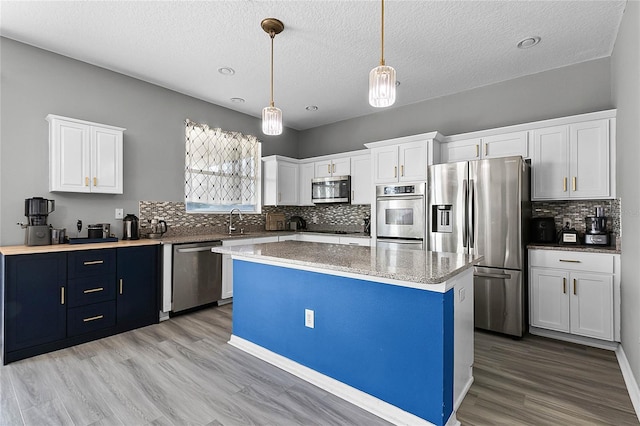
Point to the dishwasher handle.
(196, 249)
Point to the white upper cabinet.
(84, 156)
(361, 188)
(306, 172)
(279, 181)
(333, 167)
(502, 145)
(572, 162)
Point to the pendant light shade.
(272, 116)
(382, 79)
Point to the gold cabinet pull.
(402, 170)
(95, 181)
(279, 196)
(477, 150)
(333, 168)
(97, 317)
(574, 286)
(395, 171)
(564, 184)
(62, 295)
(93, 290)
(564, 285)
(328, 168)
(86, 181)
(486, 145)
(120, 285)
(570, 261)
(573, 183)
(353, 194)
(94, 262)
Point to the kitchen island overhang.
(390, 330)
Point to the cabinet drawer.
(84, 291)
(572, 260)
(91, 317)
(89, 263)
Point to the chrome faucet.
(231, 227)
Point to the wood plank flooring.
(182, 372)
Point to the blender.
(37, 210)
(596, 229)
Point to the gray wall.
(625, 82)
(36, 83)
(565, 91)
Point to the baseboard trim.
(629, 379)
(464, 392)
(581, 340)
(350, 394)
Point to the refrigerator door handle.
(471, 219)
(465, 229)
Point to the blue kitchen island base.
(400, 352)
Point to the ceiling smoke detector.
(528, 42)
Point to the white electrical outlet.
(462, 294)
(309, 320)
(119, 213)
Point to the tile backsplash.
(339, 217)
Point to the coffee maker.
(596, 229)
(37, 210)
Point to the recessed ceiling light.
(397, 83)
(311, 108)
(528, 42)
(237, 100)
(226, 71)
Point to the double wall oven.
(400, 216)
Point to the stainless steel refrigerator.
(483, 207)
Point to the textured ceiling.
(326, 51)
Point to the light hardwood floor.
(182, 372)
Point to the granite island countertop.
(418, 267)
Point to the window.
(222, 170)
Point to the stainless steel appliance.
(37, 210)
(400, 216)
(130, 227)
(543, 230)
(483, 207)
(333, 189)
(197, 275)
(596, 229)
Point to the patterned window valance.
(222, 170)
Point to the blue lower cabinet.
(35, 310)
(89, 318)
(137, 286)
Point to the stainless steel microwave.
(333, 189)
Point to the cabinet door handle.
(574, 287)
(353, 195)
(120, 285)
(402, 170)
(570, 261)
(395, 171)
(95, 181)
(62, 295)
(485, 149)
(86, 181)
(279, 196)
(333, 168)
(574, 183)
(477, 150)
(329, 168)
(564, 285)
(564, 184)
(97, 317)
(93, 290)
(94, 262)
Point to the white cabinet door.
(287, 184)
(306, 172)
(464, 150)
(70, 156)
(589, 159)
(506, 145)
(341, 166)
(549, 299)
(385, 164)
(106, 161)
(413, 161)
(322, 169)
(592, 305)
(361, 187)
(227, 276)
(549, 166)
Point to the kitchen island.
(388, 330)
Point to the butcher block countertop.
(58, 248)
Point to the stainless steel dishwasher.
(197, 275)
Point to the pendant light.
(382, 79)
(272, 116)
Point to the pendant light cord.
(382, 37)
(272, 34)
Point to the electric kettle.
(130, 225)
